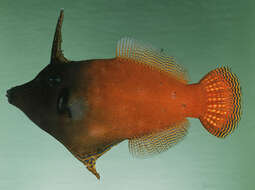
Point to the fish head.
(54, 100)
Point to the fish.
(142, 95)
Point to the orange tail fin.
(223, 94)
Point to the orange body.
(131, 99)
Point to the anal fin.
(156, 143)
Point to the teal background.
(201, 34)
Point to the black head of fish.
(45, 99)
(54, 99)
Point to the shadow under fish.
(141, 95)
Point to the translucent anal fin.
(155, 143)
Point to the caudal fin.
(223, 104)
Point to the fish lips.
(15, 94)
(11, 95)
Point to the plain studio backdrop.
(201, 34)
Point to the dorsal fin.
(56, 51)
(156, 143)
(129, 48)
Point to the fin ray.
(223, 102)
(156, 143)
(129, 48)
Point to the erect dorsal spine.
(57, 55)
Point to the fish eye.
(62, 102)
(54, 80)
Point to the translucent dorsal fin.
(149, 145)
(129, 48)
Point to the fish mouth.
(15, 96)
(9, 95)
